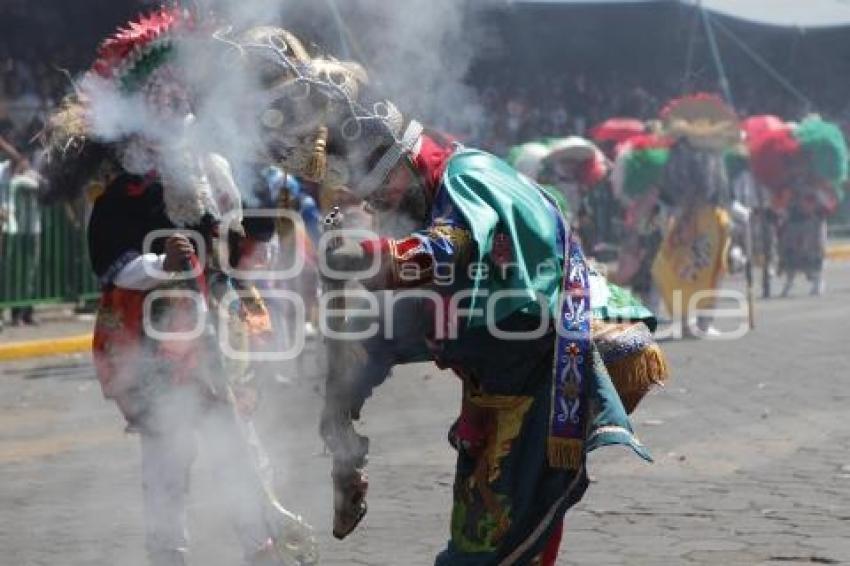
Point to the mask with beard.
(402, 204)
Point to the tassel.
(95, 190)
(317, 166)
(284, 225)
(565, 453)
(635, 375)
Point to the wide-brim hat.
(704, 120)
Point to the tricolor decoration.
(528, 158)
(548, 160)
(812, 151)
(133, 52)
(578, 159)
(640, 165)
(617, 130)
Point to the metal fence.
(49, 265)
(839, 231)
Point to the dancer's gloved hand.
(347, 261)
(351, 484)
(178, 253)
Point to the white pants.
(242, 472)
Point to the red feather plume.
(754, 126)
(706, 97)
(774, 154)
(617, 130)
(115, 49)
(644, 142)
(592, 171)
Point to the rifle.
(766, 225)
(751, 300)
(294, 543)
(348, 448)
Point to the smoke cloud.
(417, 52)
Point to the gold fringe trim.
(565, 454)
(317, 167)
(635, 375)
(641, 370)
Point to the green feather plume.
(825, 146)
(644, 169)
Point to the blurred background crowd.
(530, 71)
(586, 63)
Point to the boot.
(789, 282)
(350, 488)
(818, 285)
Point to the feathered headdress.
(814, 148)
(73, 154)
(133, 52)
(704, 120)
(617, 130)
(353, 138)
(640, 165)
(528, 158)
(586, 162)
(703, 128)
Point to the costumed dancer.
(149, 192)
(530, 160)
(636, 181)
(576, 167)
(805, 167)
(533, 405)
(611, 134)
(753, 194)
(692, 259)
(568, 169)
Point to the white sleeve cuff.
(143, 273)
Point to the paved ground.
(58, 322)
(751, 441)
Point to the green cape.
(494, 198)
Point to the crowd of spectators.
(29, 88)
(512, 95)
(510, 100)
(42, 44)
(559, 106)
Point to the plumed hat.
(319, 120)
(704, 120)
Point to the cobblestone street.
(751, 442)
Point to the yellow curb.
(17, 451)
(838, 253)
(42, 348)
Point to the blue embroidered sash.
(573, 361)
